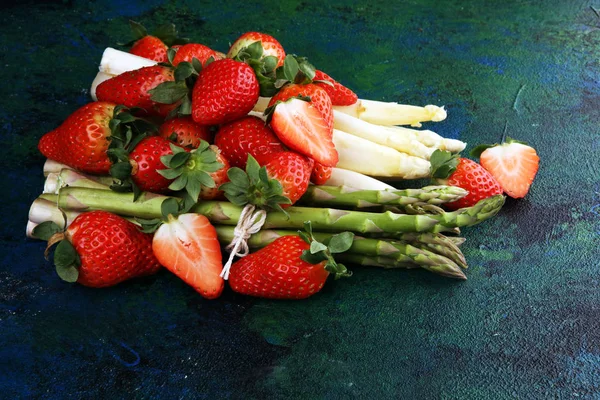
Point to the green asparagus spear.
(347, 196)
(323, 219)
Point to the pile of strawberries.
(183, 125)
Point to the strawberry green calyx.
(167, 33)
(295, 70)
(126, 132)
(265, 67)
(443, 164)
(318, 251)
(190, 170)
(179, 90)
(477, 150)
(66, 259)
(254, 186)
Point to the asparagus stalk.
(408, 144)
(428, 138)
(68, 177)
(42, 210)
(382, 113)
(347, 196)
(395, 253)
(387, 263)
(345, 177)
(357, 154)
(148, 205)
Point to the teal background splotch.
(525, 325)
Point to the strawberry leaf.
(46, 230)
(290, 68)
(341, 242)
(197, 65)
(137, 30)
(169, 206)
(171, 55)
(183, 71)
(65, 255)
(169, 92)
(316, 247)
(67, 273)
(443, 164)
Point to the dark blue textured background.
(524, 325)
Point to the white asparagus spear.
(408, 144)
(345, 177)
(429, 138)
(383, 113)
(361, 155)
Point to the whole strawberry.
(153, 46)
(270, 46)
(184, 132)
(292, 170)
(320, 173)
(81, 141)
(101, 249)
(246, 136)
(202, 53)
(450, 169)
(145, 160)
(132, 89)
(224, 91)
(219, 177)
(339, 94)
(289, 268)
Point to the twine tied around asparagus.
(250, 222)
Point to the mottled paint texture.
(525, 324)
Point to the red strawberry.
(150, 47)
(287, 269)
(188, 247)
(318, 98)
(219, 177)
(131, 89)
(109, 250)
(185, 132)
(292, 170)
(301, 127)
(146, 162)
(154, 46)
(201, 52)
(451, 170)
(81, 141)
(247, 135)
(225, 90)
(340, 95)
(513, 164)
(320, 174)
(270, 45)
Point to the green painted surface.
(525, 324)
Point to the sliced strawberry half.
(513, 164)
(188, 246)
(301, 127)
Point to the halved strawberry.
(514, 165)
(188, 246)
(301, 127)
